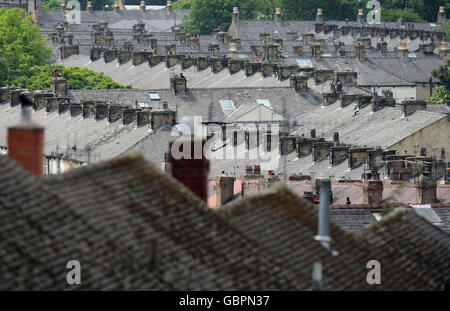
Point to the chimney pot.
(277, 15)
(442, 17)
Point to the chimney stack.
(58, 85)
(336, 137)
(426, 189)
(277, 15)
(444, 52)
(178, 84)
(319, 16)
(233, 52)
(360, 17)
(26, 141)
(313, 133)
(442, 18)
(360, 52)
(224, 189)
(402, 51)
(169, 6)
(89, 8)
(116, 7)
(235, 16)
(63, 6)
(142, 6)
(372, 188)
(190, 166)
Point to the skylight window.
(428, 213)
(304, 63)
(154, 96)
(227, 104)
(264, 102)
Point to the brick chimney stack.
(116, 7)
(360, 17)
(89, 8)
(191, 170)
(143, 7)
(444, 52)
(426, 189)
(336, 137)
(224, 189)
(169, 6)
(235, 16)
(402, 51)
(313, 133)
(178, 84)
(360, 52)
(277, 16)
(372, 188)
(58, 85)
(26, 141)
(442, 17)
(319, 16)
(233, 52)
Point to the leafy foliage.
(181, 4)
(205, 15)
(441, 95)
(442, 74)
(21, 45)
(445, 28)
(51, 5)
(77, 78)
(393, 15)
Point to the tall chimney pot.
(442, 17)
(277, 15)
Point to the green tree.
(21, 45)
(182, 4)
(205, 15)
(393, 15)
(77, 78)
(441, 94)
(51, 5)
(445, 28)
(442, 75)
(307, 9)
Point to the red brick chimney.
(190, 166)
(26, 141)
(372, 188)
(336, 137)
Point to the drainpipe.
(324, 226)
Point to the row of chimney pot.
(98, 110)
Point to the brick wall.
(26, 143)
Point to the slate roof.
(159, 20)
(382, 128)
(412, 241)
(116, 215)
(113, 217)
(285, 227)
